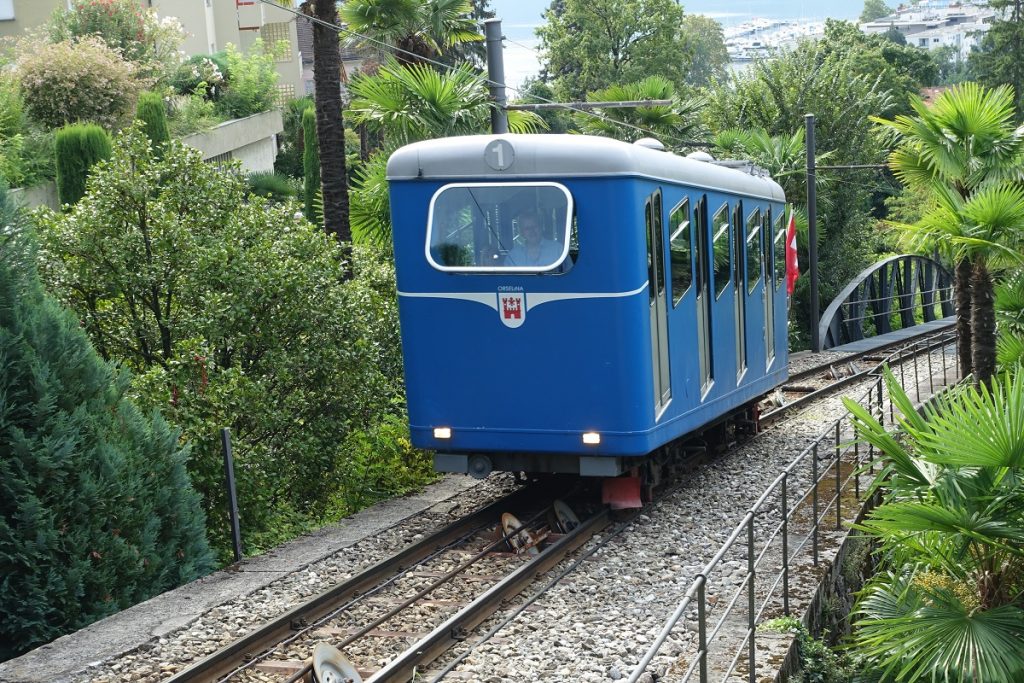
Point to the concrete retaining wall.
(44, 194)
(252, 141)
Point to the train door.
(658, 301)
(768, 292)
(703, 296)
(740, 308)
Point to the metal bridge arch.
(909, 286)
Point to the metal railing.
(804, 503)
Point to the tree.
(96, 509)
(963, 144)
(330, 126)
(999, 59)
(704, 46)
(78, 148)
(417, 28)
(774, 95)
(947, 601)
(409, 103)
(674, 125)
(233, 313)
(588, 45)
(873, 10)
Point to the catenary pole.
(496, 75)
(812, 233)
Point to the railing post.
(785, 543)
(856, 468)
(814, 504)
(839, 478)
(931, 381)
(702, 633)
(229, 480)
(752, 653)
(917, 379)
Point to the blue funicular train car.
(571, 303)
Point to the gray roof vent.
(650, 143)
(700, 156)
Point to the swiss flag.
(792, 267)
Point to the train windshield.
(501, 228)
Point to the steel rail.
(225, 660)
(812, 372)
(779, 413)
(403, 667)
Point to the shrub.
(192, 114)
(310, 165)
(238, 316)
(205, 75)
(28, 159)
(289, 156)
(271, 185)
(83, 81)
(251, 89)
(151, 43)
(96, 510)
(78, 148)
(153, 113)
(12, 107)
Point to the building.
(938, 23)
(209, 26)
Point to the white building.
(937, 23)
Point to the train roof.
(553, 156)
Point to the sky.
(519, 18)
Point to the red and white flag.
(792, 267)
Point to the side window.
(722, 248)
(780, 249)
(753, 249)
(652, 292)
(659, 239)
(766, 240)
(680, 251)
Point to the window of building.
(6, 10)
(501, 227)
(680, 251)
(722, 249)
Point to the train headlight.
(442, 432)
(591, 438)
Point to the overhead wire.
(450, 68)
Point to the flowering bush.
(84, 81)
(200, 75)
(139, 35)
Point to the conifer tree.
(310, 164)
(96, 509)
(77, 148)
(153, 114)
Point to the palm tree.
(949, 602)
(418, 28)
(408, 104)
(963, 142)
(330, 126)
(673, 124)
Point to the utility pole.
(812, 232)
(496, 75)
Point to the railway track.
(821, 380)
(436, 574)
